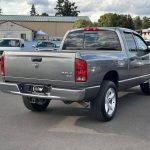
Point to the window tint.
(130, 41)
(49, 44)
(148, 43)
(74, 40)
(41, 44)
(9, 43)
(140, 43)
(102, 40)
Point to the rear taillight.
(80, 70)
(91, 29)
(2, 66)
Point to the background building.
(27, 26)
(146, 34)
(11, 29)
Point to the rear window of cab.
(98, 40)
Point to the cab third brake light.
(91, 29)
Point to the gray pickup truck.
(92, 65)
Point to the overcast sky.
(91, 8)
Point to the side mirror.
(22, 45)
(33, 46)
(148, 50)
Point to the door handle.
(36, 59)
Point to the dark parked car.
(45, 45)
(148, 43)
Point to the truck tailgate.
(40, 67)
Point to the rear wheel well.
(112, 76)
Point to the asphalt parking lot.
(68, 127)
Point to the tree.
(95, 24)
(130, 23)
(66, 8)
(59, 7)
(108, 20)
(116, 20)
(33, 11)
(44, 14)
(81, 23)
(0, 11)
(137, 23)
(146, 22)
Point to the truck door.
(135, 61)
(144, 54)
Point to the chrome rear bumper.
(56, 93)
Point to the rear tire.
(104, 106)
(36, 104)
(145, 88)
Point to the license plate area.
(41, 89)
(36, 89)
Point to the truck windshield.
(102, 40)
(9, 43)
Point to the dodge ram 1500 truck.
(92, 65)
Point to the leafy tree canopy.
(0, 11)
(137, 23)
(81, 23)
(44, 14)
(66, 8)
(146, 22)
(116, 20)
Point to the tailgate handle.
(36, 59)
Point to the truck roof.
(110, 28)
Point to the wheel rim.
(110, 101)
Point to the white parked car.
(10, 44)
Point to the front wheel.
(104, 106)
(36, 104)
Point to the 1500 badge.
(68, 74)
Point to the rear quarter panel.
(100, 63)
